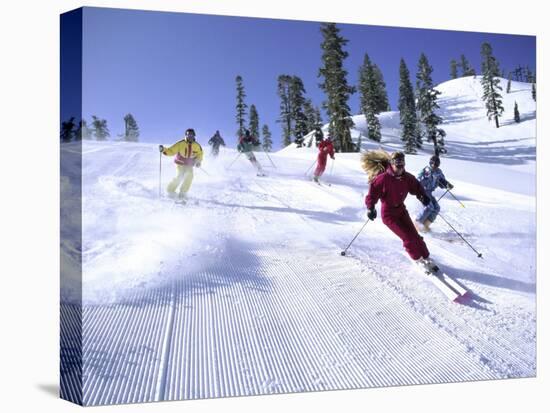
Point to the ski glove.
(197, 164)
(371, 214)
(450, 186)
(161, 148)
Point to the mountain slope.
(244, 292)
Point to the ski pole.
(449, 191)
(314, 162)
(234, 160)
(343, 253)
(269, 157)
(160, 174)
(204, 170)
(461, 204)
(444, 193)
(460, 235)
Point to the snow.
(243, 291)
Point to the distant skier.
(215, 141)
(430, 178)
(390, 183)
(318, 136)
(247, 145)
(188, 154)
(326, 149)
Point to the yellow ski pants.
(185, 175)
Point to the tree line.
(417, 106)
(98, 129)
(298, 115)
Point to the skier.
(247, 144)
(430, 178)
(326, 148)
(390, 183)
(318, 136)
(215, 141)
(188, 154)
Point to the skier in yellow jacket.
(188, 154)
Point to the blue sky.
(173, 71)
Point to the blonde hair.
(375, 162)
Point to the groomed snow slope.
(244, 292)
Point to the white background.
(29, 205)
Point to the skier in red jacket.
(392, 187)
(326, 148)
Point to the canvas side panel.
(71, 206)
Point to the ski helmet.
(190, 132)
(435, 161)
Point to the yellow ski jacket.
(187, 152)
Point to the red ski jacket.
(393, 190)
(326, 148)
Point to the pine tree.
(368, 98)
(318, 118)
(131, 129)
(491, 83)
(100, 129)
(68, 130)
(254, 122)
(454, 69)
(285, 116)
(359, 143)
(83, 132)
(407, 109)
(465, 65)
(267, 143)
(427, 103)
(382, 101)
(440, 135)
(313, 117)
(534, 91)
(530, 76)
(517, 119)
(509, 84)
(336, 87)
(297, 102)
(241, 106)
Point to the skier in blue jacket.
(430, 178)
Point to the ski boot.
(182, 199)
(421, 226)
(427, 265)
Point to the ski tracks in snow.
(264, 317)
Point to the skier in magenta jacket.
(392, 187)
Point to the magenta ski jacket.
(392, 191)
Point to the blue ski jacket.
(430, 179)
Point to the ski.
(320, 183)
(446, 284)
(180, 202)
(186, 202)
